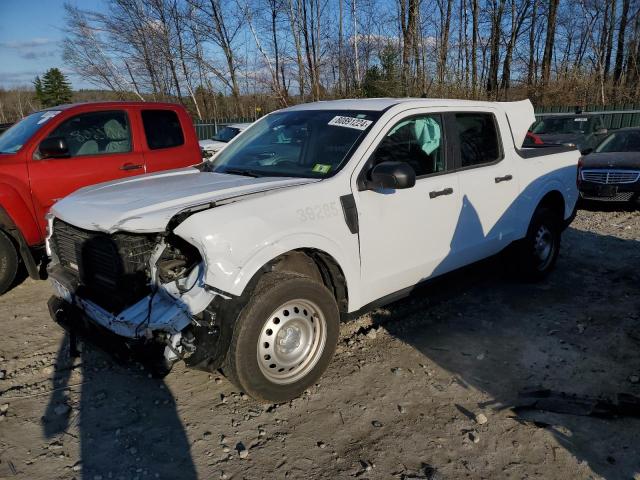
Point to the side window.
(162, 129)
(96, 133)
(417, 141)
(478, 138)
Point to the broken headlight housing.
(177, 260)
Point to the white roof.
(519, 114)
(379, 104)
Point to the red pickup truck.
(51, 153)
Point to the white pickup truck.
(315, 212)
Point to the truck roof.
(519, 114)
(380, 104)
(114, 103)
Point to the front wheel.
(8, 262)
(284, 337)
(537, 253)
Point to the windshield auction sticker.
(49, 114)
(350, 122)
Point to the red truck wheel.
(8, 262)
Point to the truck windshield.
(298, 143)
(13, 139)
(623, 141)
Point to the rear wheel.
(284, 337)
(8, 262)
(537, 253)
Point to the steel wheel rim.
(291, 341)
(543, 247)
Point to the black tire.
(532, 261)
(274, 295)
(8, 262)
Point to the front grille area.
(112, 270)
(618, 197)
(608, 177)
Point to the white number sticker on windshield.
(581, 119)
(48, 115)
(350, 122)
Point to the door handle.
(506, 178)
(438, 193)
(131, 166)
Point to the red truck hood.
(146, 203)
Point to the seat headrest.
(115, 131)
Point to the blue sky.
(30, 39)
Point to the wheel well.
(318, 265)
(554, 201)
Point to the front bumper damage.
(158, 321)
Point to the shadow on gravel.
(576, 332)
(128, 423)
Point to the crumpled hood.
(146, 203)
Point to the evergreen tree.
(37, 83)
(53, 89)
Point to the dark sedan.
(611, 172)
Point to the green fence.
(614, 116)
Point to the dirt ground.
(401, 399)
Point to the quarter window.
(162, 129)
(478, 139)
(95, 133)
(417, 141)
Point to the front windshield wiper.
(244, 173)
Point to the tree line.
(238, 57)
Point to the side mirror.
(53, 147)
(602, 131)
(395, 175)
(586, 151)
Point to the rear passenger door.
(488, 184)
(405, 235)
(165, 141)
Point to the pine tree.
(53, 89)
(37, 83)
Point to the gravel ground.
(424, 388)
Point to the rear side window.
(162, 129)
(478, 139)
(95, 133)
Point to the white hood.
(212, 145)
(146, 203)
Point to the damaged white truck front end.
(121, 264)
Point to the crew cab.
(316, 212)
(51, 153)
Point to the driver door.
(406, 235)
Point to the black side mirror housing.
(392, 175)
(586, 151)
(53, 147)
